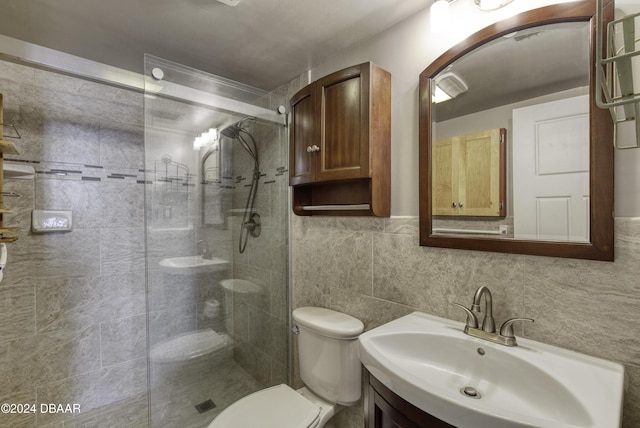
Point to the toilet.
(329, 368)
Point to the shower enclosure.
(216, 242)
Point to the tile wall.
(260, 320)
(375, 270)
(73, 322)
(72, 305)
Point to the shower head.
(233, 130)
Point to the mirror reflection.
(510, 138)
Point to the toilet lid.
(275, 407)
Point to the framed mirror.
(515, 156)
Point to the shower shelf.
(7, 147)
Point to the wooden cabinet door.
(303, 136)
(343, 103)
(479, 174)
(387, 416)
(445, 177)
(469, 175)
(385, 409)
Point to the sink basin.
(429, 362)
(191, 262)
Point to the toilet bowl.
(329, 367)
(277, 407)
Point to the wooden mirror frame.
(601, 149)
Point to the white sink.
(428, 360)
(187, 262)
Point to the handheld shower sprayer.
(250, 220)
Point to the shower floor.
(173, 404)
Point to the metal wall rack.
(6, 147)
(618, 73)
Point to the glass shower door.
(217, 317)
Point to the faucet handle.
(472, 320)
(507, 327)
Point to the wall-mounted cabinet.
(340, 144)
(469, 175)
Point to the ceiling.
(262, 43)
(520, 66)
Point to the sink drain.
(471, 392)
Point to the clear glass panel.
(217, 317)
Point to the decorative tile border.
(84, 172)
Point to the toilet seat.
(275, 407)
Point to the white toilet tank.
(328, 353)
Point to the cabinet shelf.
(346, 207)
(343, 198)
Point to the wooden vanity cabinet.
(340, 142)
(385, 409)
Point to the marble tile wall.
(72, 305)
(375, 270)
(260, 321)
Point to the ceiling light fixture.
(207, 138)
(491, 4)
(440, 19)
(448, 85)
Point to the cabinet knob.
(454, 205)
(309, 149)
(460, 204)
(314, 148)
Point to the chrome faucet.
(488, 323)
(487, 331)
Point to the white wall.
(406, 50)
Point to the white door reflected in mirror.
(551, 161)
